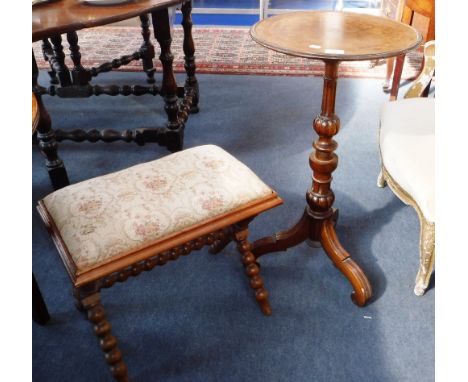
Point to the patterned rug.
(219, 50)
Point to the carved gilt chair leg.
(102, 328)
(426, 257)
(381, 182)
(252, 268)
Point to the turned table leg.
(191, 83)
(318, 222)
(59, 61)
(47, 52)
(147, 49)
(80, 75)
(46, 137)
(162, 32)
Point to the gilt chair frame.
(419, 88)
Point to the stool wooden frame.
(216, 233)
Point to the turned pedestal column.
(318, 220)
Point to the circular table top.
(62, 16)
(333, 35)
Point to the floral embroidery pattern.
(87, 228)
(90, 205)
(110, 216)
(155, 183)
(212, 203)
(214, 164)
(146, 228)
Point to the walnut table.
(331, 37)
(52, 19)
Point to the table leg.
(59, 61)
(162, 32)
(147, 49)
(400, 60)
(47, 52)
(318, 220)
(46, 137)
(80, 75)
(39, 308)
(191, 83)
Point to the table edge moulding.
(65, 16)
(320, 52)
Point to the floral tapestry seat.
(118, 225)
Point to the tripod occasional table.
(331, 37)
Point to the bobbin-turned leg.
(147, 49)
(102, 328)
(222, 240)
(46, 137)
(59, 65)
(191, 83)
(162, 32)
(80, 75)
(47, 52)
(252, 268)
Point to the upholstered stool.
(118, 225)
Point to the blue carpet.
(196, 319)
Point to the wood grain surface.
(64, 16)
(331, 35)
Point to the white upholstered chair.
(407, 132)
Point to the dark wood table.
(332, 37)
(51, 20)
(40, 313)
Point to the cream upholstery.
(407, 152)
(407, 149)
(107, 217)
